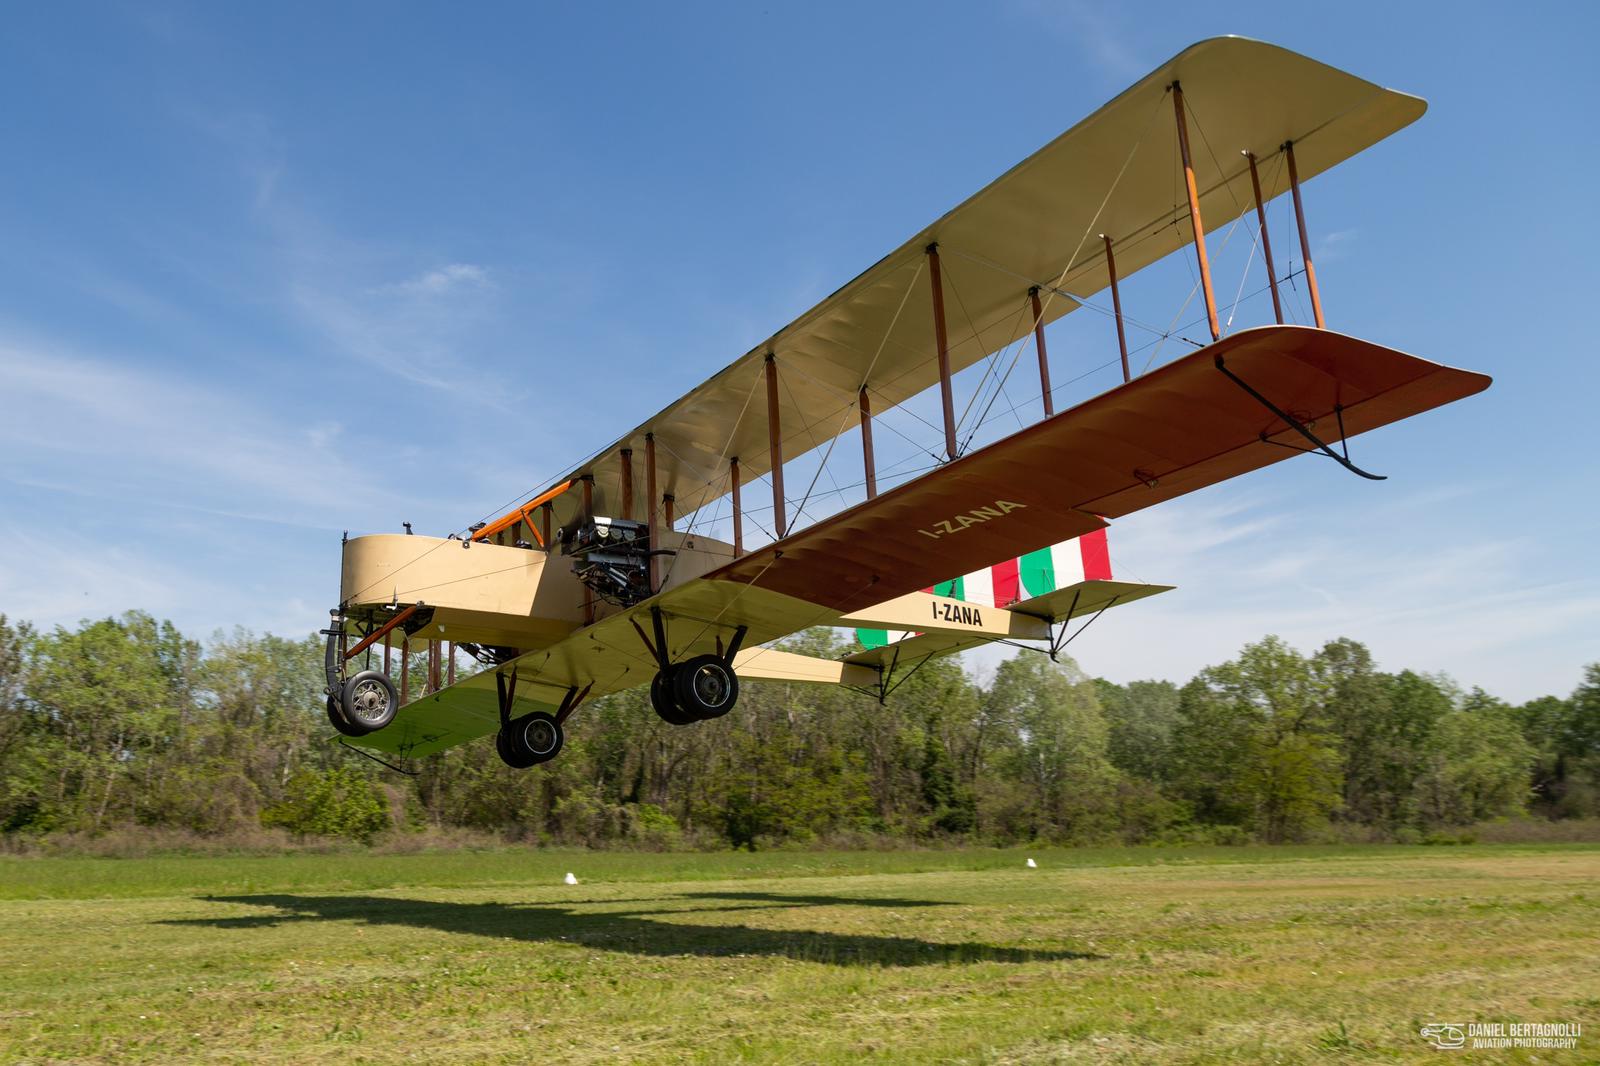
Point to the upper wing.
(1035, 225)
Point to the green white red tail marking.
(1084, 558)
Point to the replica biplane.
(606, 579)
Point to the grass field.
(1117, 955)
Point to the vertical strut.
(1044, 359)
(405, 670)
(588, 516)
(1116, 306)
(627, 484)
(386, 654)
(1194, 214)
(867, 458)
(738, 511)
(1266, 241)
(941, 340)
(1305, 242)
(668, 502)
(775, 444)
(450, 676)
(650, 503)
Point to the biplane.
(608, 578)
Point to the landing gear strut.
(535, 737)
(530, 740)
(698, 690)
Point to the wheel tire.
(509, 754)
(665, 701)
(368, 702)
(706, 687)
(337, 719)
(537, 737)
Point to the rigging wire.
(838, 432)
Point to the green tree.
(23, 736)
(1256, 744)
(1054, 752)
(339, 802)
(1141, 718)
(1477, 764)
(112, 695)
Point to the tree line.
(126, 722)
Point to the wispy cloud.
(1422, 594)
(1092, 30)
(427, 328)
(435, 282)
(1336, 245)
(114, 427)
(63, 578)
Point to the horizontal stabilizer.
(1080, 600)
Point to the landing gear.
(537, 736)
(698, 690)
(530, 740)
(364, 704)
(706, 687)
(664, 698)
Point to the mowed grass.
(1117, 955)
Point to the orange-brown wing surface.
(1177, 429)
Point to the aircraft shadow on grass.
(636, 931)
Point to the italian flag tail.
(1084, 558)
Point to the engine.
(611, 557)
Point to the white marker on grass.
(1031, 865)
(573, 880)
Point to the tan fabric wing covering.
(1024, 228)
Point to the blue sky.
(268, 273)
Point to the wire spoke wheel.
(368, 702)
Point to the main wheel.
(705, 687)
(368, 701)
(535, 737)
(509, 754)
(665, 701)
(337, 719)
